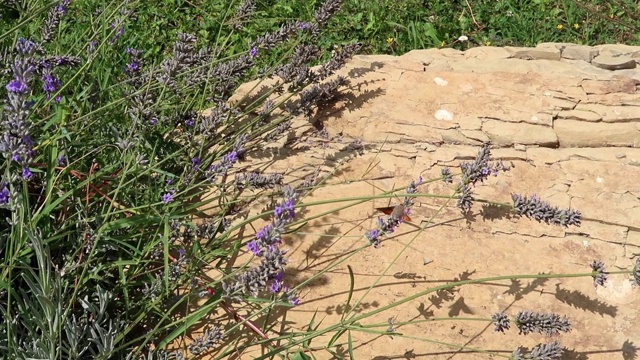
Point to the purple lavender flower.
(270, 272)
(271, 234)
(53, 20)
(185, 57)
(550, 351)
(221, 168)
(373, 236)
(26, 173)
(210, 338)
(480, 169)
(167, 197)
(501, 321)
(50, 84)
(16, 142)
(271, 40)
(253, 52)
(255, 180)
(338, 60)
(254, 248)
(290, 296)
(465, 199)
(548, 324)
(541, 211)
(17, 86)
(4, 194)
(246, 8)
(134, 66)
(61, 160)
(326, 11)
(600, 274)
(276, 286)
(91, 47)
(118, 26)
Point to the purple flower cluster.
(16, 142)
(270, 272)
(50, 84)
(550, 351)
(255, 180)
(228, 160)
(532, 322)
(245, 9)
(541, 211)
(184, 58)
(271, 40)
(388, 225)
(326, 11)
(599, 273)
(548, 324)
(4, 194)
(53, 20)
(501, 321)
(135, 64)
(472, 172)
(317, 94)
(119, 22)
(206, 341)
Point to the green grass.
(101, 255)
(396, 27)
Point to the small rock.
(621, 156)
(520, 147)
(579, 52)
(443, 114)
(609, 62)
(440, 81)
(537, 53)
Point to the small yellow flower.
(442, 43)
(559, 26)
(487, 43)
(611, 16)
(390, 40)
(576, 26)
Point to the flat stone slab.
(572, 130)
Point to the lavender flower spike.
(550, 351)
(541, 211)
(269, 273)
(16, 143)
(221, 168)
(53, 20)
(600, 274)
(548, 324)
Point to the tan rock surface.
(572, 131)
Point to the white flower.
(463, 38)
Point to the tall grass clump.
(107, 156)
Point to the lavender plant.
(107, 154)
